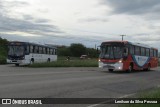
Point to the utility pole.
(122, 36)
(95, 46)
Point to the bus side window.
(47, 50)
(147, 52)
(51, 51)
(35, 49)
(27, 49)
(131, 49)
(44, 50)
(55, 51)
(155, 53)
(151, 53)
(137, 50)
(143, 52)
(31, 49)
(40, 50)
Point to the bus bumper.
(115, 67)
(20, 62)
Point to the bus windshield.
(16, 50)
(111, 52)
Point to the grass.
(74, 62)
(155, 93)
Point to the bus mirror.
(98, 51)
(126, 50)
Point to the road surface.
(24, 82)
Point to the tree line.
(76, 50)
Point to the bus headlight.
(120, 61)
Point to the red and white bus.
(127, 56)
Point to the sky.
(90, 22)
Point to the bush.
(3, 50)
(3, 60)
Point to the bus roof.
(10, 42)
(131, 43)
(115, 41)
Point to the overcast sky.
(80, 21)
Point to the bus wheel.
(48, 60)
(130, 69)
(32, 61)
(149, 67)
(110, 70)
(17, 65)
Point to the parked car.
(84, 57)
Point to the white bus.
(24, 53)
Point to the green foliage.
(77, 49)
(3, 41)
(2, 60)
(3, 50)
(92, 53)
(71, 63)
(64, 51)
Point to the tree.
(91, 52)
(77, 49)
(3, 41)
(64, 51)
(3, 47)
(3, 50)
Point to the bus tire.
(110, 70)
(149, 67)
(48, 60)
(130, 69)
(32, 61)
(17, 65)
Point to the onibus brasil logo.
(20, 101)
